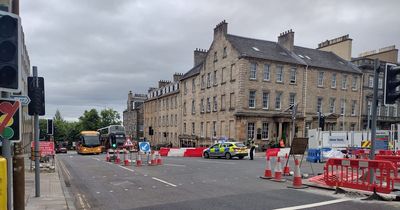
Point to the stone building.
(243, 88)
(133, 115)
(162, 112)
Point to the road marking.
(111, 191)
(140, 188)
(97, 192)
(81, 202)
(65, 169)
(126, 168)
(177, 165)
(315, 204)
(96, 159)
(86, 201)
(165, 182)
(205, 161)
(126, 189)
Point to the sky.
(93, 52)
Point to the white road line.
(165, 182)
(126, 168)
(65, 169)
(205, 161)
(96, 159)
(315, 204)
(169, 164)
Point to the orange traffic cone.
(153, 161)
(126, 160)
(268, 171)
(138, 159)
(278, 171)
(286, 169)
(108, 156)
(297, 182)
(118, 159)
(159, 160)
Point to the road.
(192, 183)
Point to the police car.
(227, 150)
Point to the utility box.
(3, 183)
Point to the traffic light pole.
(36, 128)
(6, 152)
(373, 121)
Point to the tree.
(42, 128)
(109, 117)
(60, 127)
(90, 120)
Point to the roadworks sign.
(128, 143)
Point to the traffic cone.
(108, 156)
(267, 172)
(138, 159)
(297, 181)
(286, 169)
(126, 160)
(159, 160)
(153, 161)
(278, 171)
(118, 159)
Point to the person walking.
(252, 148)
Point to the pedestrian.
(252, 147)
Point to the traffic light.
(113, 141)
(10, 52)
(50, 127)
(36, 94)
(392, 82)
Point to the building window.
(332, 105)
(320, 79)
(333, 83)
(184, 128)
(293, 76)
(253, 71)
(224, 54)
(209, 79)
(250, 130)
(369, 105)
(371, 81)
(202, 129)
(319, 104)
(215, 77)
(353, 108)
(223, 102)
(215, 105)
(202, 105)
(265, 100)
(378, 109)
(215, 56)
(193, 85)
(342, 106)
(176, 120)
(266, 72)
(344, 82)
(166, 120)
(184, 108)
(193, 128)
(208, 105)
(222, 75)
(214, 131)
(231, 100)
(354, 83)
(292, 99)
(380, 83)
(193, 107)
(264, 133)
(278, 100)
(252, 99)
(233, 71)
(202, 81)
(184, 87)
(279, 73)
(387, 110)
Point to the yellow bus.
(89, 143)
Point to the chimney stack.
(199, 56)
(221, 29)
(286, 40)
(177, 77)
(163, 83)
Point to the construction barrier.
(314, 155)
(354, 174)
(386, 152)
(392, 158)
(272, 152)
(194, 152)
(164, 151)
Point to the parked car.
(61, 149)
(227, 150)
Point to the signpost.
(144, 147)
(10, 119)
(382, 140)
(25, 100)
(45, 148)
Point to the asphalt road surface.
(192, 183)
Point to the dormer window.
(224, 53)
(215, 56)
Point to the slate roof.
(263, 49)
(192, 72)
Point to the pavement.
(53, 193)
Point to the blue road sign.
(144, 146)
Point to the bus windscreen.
(91, 141)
